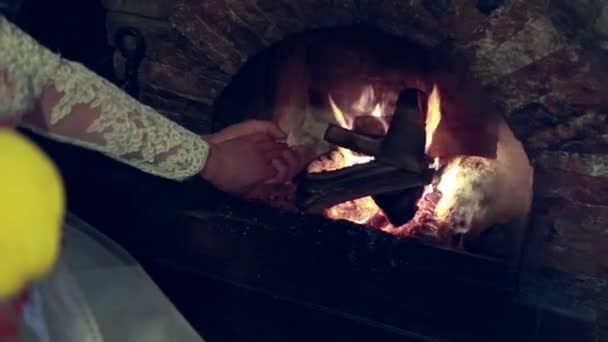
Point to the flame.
(361, 210)
(448, 185)
(339, 115)
(377, 112)
(433, 116)
(366, 98)
(365, 210)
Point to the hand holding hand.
(251, 153)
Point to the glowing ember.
(365, 210)
(361, 210)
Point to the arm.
(68, 102)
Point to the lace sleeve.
(70, 103)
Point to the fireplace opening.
(406, 141)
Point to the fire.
(377, 112)
(365, 210)
(360, 210)
(448, 184)
(339, 116)
(433, 116)
(345, 157)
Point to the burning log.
(318, 191)
(370, 125)
(352, 140)
(485, 179)
(401, 206)
(395, 180)
(404, 143)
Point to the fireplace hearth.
(326, 271)
(406, 140)
(233, 267)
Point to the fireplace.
(403, 136)
(536, 83)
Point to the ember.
(405, 145)
(365, 210)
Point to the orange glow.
(365, 210)
(360, 210)
(338, 115)
(448, 185)
(377, 112)
(433, 116)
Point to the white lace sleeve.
(68, 102)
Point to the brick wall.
(543, 61)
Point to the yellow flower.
(32, 208)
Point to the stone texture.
(322, 13)
(172, 64)
(563, 269)
(575, 235)
(283, 13)
(194, 115)
(256, 20)
(186, 84)
(226, 23)
(539, 60)
(508, 42)
(157, 33)
(535, 40)
(466, 18)
(580, 188)
(488, 6)
(153, 9)
(570, 129)
(566, 77)
(601, 23)
(504, 22)
(408, 19)
(208, 40)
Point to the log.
(317, 191)
(400, 206)
(353, 141)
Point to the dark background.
(220, 310)
(73, 28)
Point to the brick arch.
(552, 88)
(228, 32)
(521, 52)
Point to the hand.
(251, 153)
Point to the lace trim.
(24, 69)
(131, 131)
(121, 127)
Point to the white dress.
(97, 292)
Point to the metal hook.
(133, 56)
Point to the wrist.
(210, 169)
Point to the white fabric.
(98, 293)
(68, 102)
